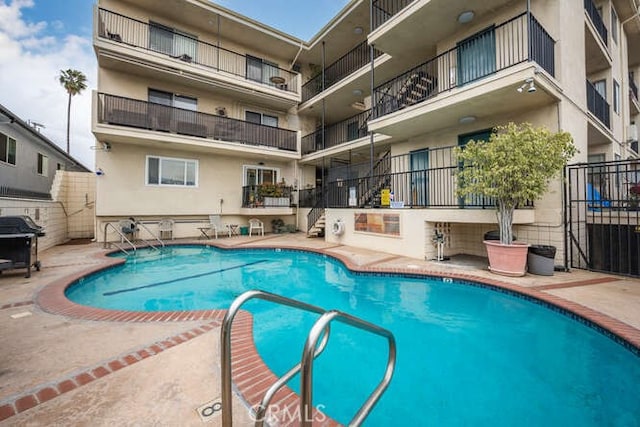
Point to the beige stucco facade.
(576, 57)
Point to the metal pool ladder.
(311, 350)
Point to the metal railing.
(122, 237)
(152, 234)
(184, 47)
(422, 186)
(383, 10)
(488, 52)
(266, 196)
(308, 197)
(122, 111)
(597, 105)
(6, 191)
(350, 129)
(633, 87)
(346, 65)
(310, 352)
(596, 20)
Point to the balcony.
(338, 133)
(634, 103)
(383, 10)
(597, 105)
(349, 63)
(596, 20)
(162, 119)
(267, 196)
(188, 50)
(496, 49)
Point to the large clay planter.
(507, 260)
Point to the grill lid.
(19, 224)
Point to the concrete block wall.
(49, 214)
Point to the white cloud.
(30, 63)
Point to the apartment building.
(202, 111)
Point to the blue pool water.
(467, 355)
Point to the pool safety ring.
(338, 228)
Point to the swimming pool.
(467, 355)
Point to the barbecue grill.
(19, 243)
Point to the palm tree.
(74, 82)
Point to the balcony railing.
(493, 50)
(633, 87)
(347, 130)
(431, 186)
(596, 20)
(122, 111)
(266, 196)
(309, 197)
(132, 32)
(349, 63)
(6, 191)
(383, 10)
(597, 105)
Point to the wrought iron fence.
(122, 111)
(596, 20)
(430, 183)
(335, 134)
(603, 216)
(486, 53)
(187, 48)
(597, 105)
(308, 197)
(349, 63)
(266, 196)
(383, 10)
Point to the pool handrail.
(121, 234)
(306, 387)
(261, 410)
(151, 234)
(310, 352)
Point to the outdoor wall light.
(357, 92)
(466, 16)
(467, 119)
(99, 172)
(358, 30)
(529, 82)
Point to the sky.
(38, 38)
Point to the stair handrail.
(121, 234)
(316, 211)
(310, 352)
(308, 356)
(150, 233)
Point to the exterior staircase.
(317, 229)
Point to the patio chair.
(256, 224)
(129, 228)
(166, 226)
(215, 225)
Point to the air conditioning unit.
(221, 111)
(632, 132)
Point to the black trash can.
(541, 259)
(495, 235)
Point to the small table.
(233, 228)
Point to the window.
(601, 87)
(261, 70)
(173, 100)
(59, 166)
(43, 163)
(616, 97)
(258, 175)
(7, 149)
(476, 56)
(614, 25)
(172, 42)
(261, 119)
(171, 171)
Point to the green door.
(483, 135)
(477, 56)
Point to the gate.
(602, 215)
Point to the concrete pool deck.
(66, 370)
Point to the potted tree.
(513, 167)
